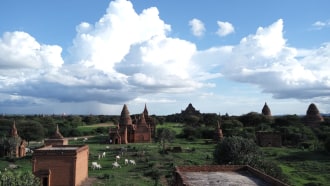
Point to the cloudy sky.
(91, 57)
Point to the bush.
(235, 150)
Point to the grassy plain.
(302, 167)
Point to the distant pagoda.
(266, 111)
(56, 139)
(218, 135)
(313, 117)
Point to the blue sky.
(91, 57)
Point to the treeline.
(294, 132)
(291, 127)
(38, 127)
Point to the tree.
(232, 127)
(165, 135)
(30, 130)
(192, 120)
(210, 119)
(235, 150)
(253, 119)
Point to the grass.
(302, 167)
(89, 128)
(194, 153)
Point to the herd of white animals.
(115, 164)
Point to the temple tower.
(313, 117)
(266, 111)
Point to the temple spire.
(125, 118)
(14, 129)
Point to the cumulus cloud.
(265, 59)
(21, 50)
(197, 27)
(120, 57)
(225, 28)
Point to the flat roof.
(60, 148)
(222, 178)
(223, 175)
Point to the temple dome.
(313, 116)
(266, 111)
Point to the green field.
(302, 167)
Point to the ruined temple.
(127, 130)
(56, 139)
(13, 145)
(190, 111)
(313, 117)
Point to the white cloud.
(321, 24)
(122, 56)
(20, 50)
(225, 28)
(108, 41)
(264, 59)
(197, 27)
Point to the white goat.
(94, 165)
(98, 166)
(117, 157)
(132, 162)
(115, 165)
(103, 155)
(126, 161)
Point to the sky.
(92, 57)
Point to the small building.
(56, 139)
(269, 139)
(59, 165)
(222, 175)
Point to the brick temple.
(139, 130)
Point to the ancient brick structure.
(60, 165)
(190, 111)
(129, 131)
(269, 139)
(13, 145)
(56, 139)
(266, 111)
(218, 136)
(313, 117)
